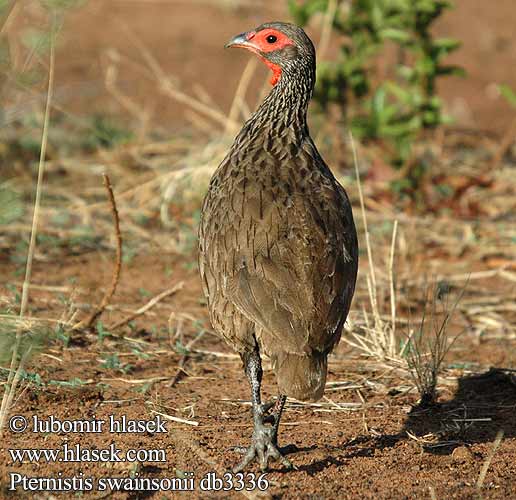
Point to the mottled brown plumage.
(278, 247)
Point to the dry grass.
(421, 352)
(488, 460)
(17, 364)
(427, 347)
(378, 337)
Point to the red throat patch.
(276, 71)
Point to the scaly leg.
(264, 442)
(276, 415)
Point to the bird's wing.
(297, 278)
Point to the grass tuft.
(427, 348)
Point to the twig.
(217, 354)
(118, 262)
(167, 293)
(39, 187)
(168, 88)
(364, 219)
(383, 346)
(51, 289)
(27, 321)
(176, 419)
(136, 381)
(487, 463)
(110, 81)
(479, 275)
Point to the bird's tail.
(301, 377)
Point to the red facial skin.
(257, 43)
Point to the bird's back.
(278, 255)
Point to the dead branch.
(152, 302)
(95, 314)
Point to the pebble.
(462, 454)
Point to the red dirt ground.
(351, 451)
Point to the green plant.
(33, 378)
(72, 383)
(32, 340)
(102, 333)
(427, 347)
(113, 362)
(393, 107)
(105, 133)
(62, 334)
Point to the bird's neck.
(283, 109)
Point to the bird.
(278, 249)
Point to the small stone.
(462, 454)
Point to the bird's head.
(284, 47)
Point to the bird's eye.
(271, 38)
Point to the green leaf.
(447, 44)
(405, 95)
(403, 128)
(508, 93)
(425, 66)
(378, 102)
(376, 15)
(396, 35)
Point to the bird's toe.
(263, 449)
(241, 450)
(249, 457)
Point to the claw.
(241, 450)
(249, 457)
(263, 449)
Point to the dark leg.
(263, 446)
(276, 414)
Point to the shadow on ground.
(483, 405)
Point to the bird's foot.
(267, 418)
(264, 447)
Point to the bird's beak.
(241, 41)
